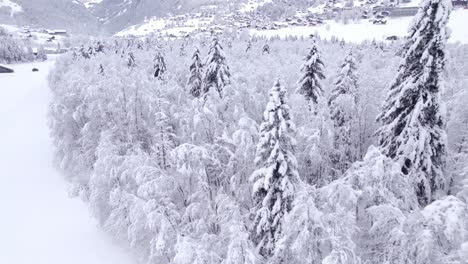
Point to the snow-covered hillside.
(12, 6)
(352, 32)
(365, 30)
(40, 224)
(56, 14)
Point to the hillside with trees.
(316, 151)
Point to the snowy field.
(40, 224)
(365, 30)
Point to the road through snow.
(39, 223)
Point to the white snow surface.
(39, 223)
(14, 7)
(90, 3)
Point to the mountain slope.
(118, 14)
(59, 14)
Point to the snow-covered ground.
(365, 30)
(39, 223)
(90, 3)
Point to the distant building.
(58, 32)
(398, 11)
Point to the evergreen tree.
(131, 60)
(412, 130)
(195, 81)
(163, 134)
(159, 66)
(276, 173)
(312, 73)
(266, 49)
(182, 51)
(342, 103)
(249, 45)
(217, 73)
(462, 146)
(99, 47)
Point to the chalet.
(403, 11)
(58, 32)
(397, 11)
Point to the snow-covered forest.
(236, 149)
(15, 51)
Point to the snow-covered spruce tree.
(131, 60)
(342, 103)
(412, 119)
(182, 51)
(159, 66)
(276, 173)
(462, 146)
(312, 72)
(164, 135)
(195, 81)
(266, 49)
(217, 73)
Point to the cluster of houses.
(213, 19)
(29, 33)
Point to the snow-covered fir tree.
(159, 65)
(462, 146)
(266, 49)
(412, 119)
(195, 81)
(182, 51)
(312, 73)
(249, 45)
(343, 103)
(131, 60)
(217, 74)
(276, 173)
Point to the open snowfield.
(39, 223)
(365, 30)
